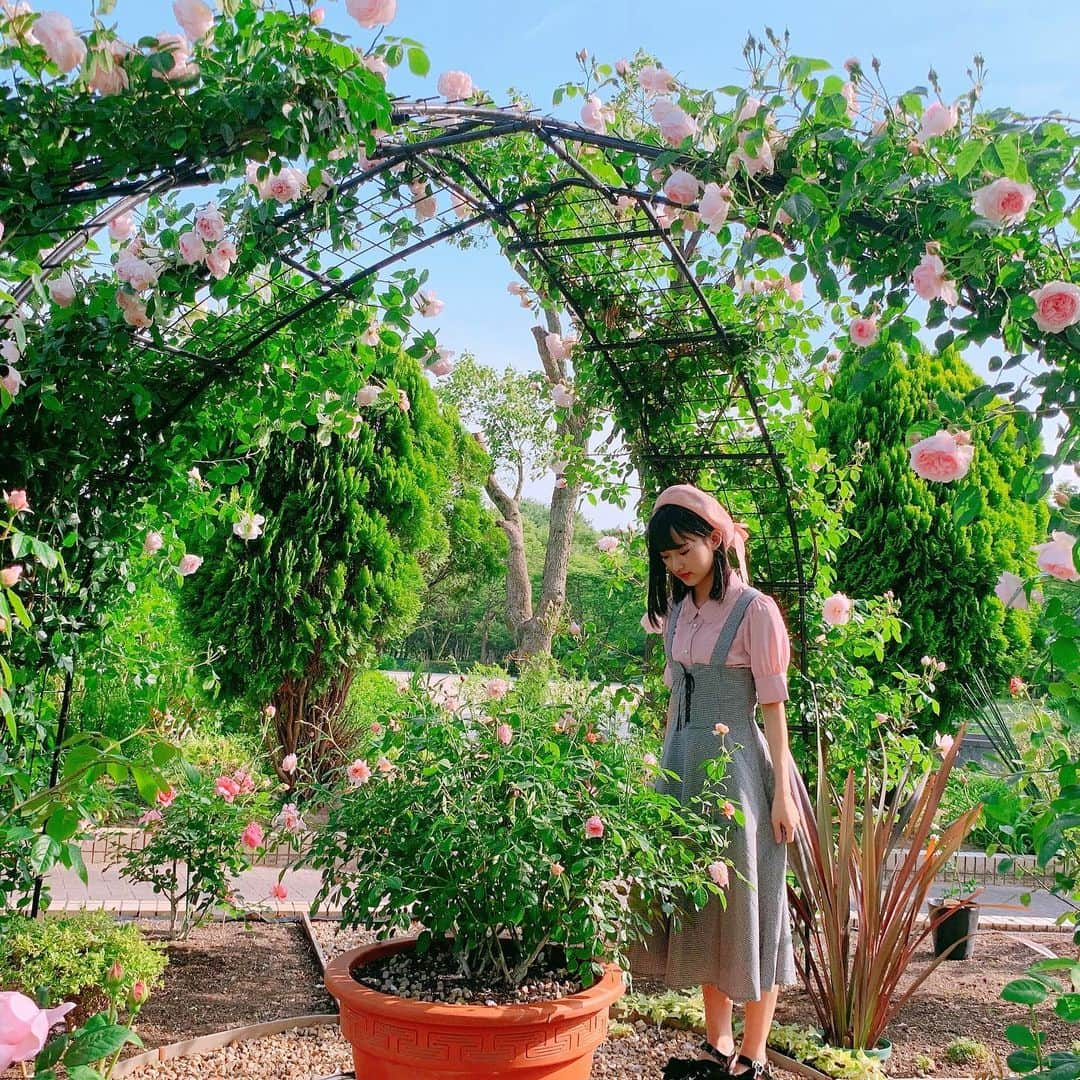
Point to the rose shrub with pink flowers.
(200, 832)
(514, 822)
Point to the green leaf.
(83, 1072)
(90, 1046)
(419, 64)
(1020, 1035)
(1024, 992)
(968, 157)
(1067, 1007)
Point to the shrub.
(68, 957)
(965, 1051)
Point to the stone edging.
(205, 1044)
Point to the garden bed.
(232, 974)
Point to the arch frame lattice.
(603, 250)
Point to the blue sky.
(1030, 53)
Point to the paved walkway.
(106, 889)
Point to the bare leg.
(718, 1008)
(759, 1017)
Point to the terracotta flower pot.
(396, 1038)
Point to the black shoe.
(682, 1069)
(754, 1069)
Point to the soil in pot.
(958, 924)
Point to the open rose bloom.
(24, 1028)
(942, 458)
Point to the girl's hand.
(785, 818)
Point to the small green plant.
(1058, 979)
(924, 1064)
(69, 957)
(965, 1051)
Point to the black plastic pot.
(954, 922)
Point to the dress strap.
(727, 634)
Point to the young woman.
(727, 651)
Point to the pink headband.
(706, 507)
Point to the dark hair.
(665, 527)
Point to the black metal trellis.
(600, 248)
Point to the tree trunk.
(306, 723)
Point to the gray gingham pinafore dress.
(745, 948)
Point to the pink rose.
(574, 629)
(561, 396)
(836, 610)
(750, 109)
(455, 85)
(56, 35)
(1004, 202)
(497, 688)
(557, 869)
(444, 364)
(1017, 685)
(720, 729)
(24, 1028)
(209, 224)
(165, 798)
(715, 205)
(385, 766)
(192, 248)
(864, 332)
(682, 187)
(425, 207)
(194, 17)
(369, 13)
(622, 68)
(1056, 556)
(278, 891)
(504, 733)
(11, 380)
(377, 728)
(242, 778)
(851, 97)
(153, 542)
(675, 124)
(761, 161)
(1057, 306)
(317, 15)
(594, 827)
(284, 186)
(252, 836)
(718, 871)
(649, 760)
(607, 544)
(358, 772)
(188, 565)
(941, 458)
(121, 226)
(943, 743)
(176, 45)
(137, 272)
(1011, 592)
(655, 80)
(270, 710)
(557, 347)
(367, 395)
(937, 120)
(9, 576)
(430, 304)
(931, 282)
(288, 763)
(219, 261)
(150, 817)
(134, 309)
(107, 74)
(227, 788)
(17, 501)
(594, 115)
(728, 809)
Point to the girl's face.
(692, 560)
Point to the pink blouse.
(761, 642)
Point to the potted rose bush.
(505, 845)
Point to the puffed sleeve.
(770, 650)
